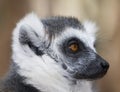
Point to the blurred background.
(106, 13)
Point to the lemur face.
(79, 58)
(73, 46)
(58, 45)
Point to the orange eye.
(74, 47)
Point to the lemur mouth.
(92, 76)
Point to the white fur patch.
(90, 28)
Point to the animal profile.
(55, 54)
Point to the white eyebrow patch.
(86, 37)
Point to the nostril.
(105, 65)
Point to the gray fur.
(13, 82)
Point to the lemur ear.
(30, 35)
(29, 29)
(90, 27)
(27, 35)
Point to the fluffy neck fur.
(15, 83)
(45, 75)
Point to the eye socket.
(72, 47)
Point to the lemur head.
(56, 47)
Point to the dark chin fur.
(89, 77)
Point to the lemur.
(55, 54)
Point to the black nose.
(104, 65)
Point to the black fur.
(35, 49)
(55, 25)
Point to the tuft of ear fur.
(33, 21)
(90, 27)
(29, 27)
